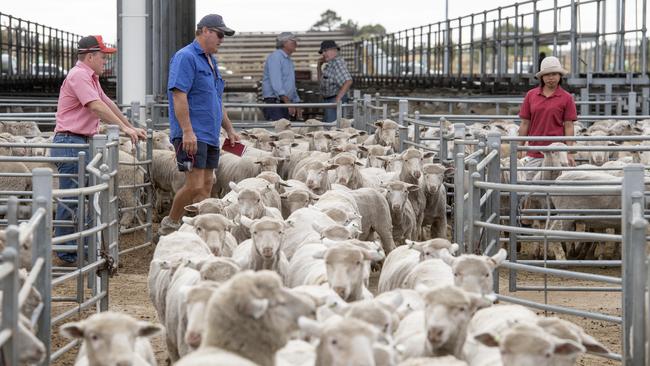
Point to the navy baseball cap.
(215, 21)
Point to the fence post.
(443, 141)
(494, 176)
(416, 127)
(149, 189)
(366, 112)
(619, 106)
(12, 210)
(645, 101)
(135, 114)
(339, 113)
(514, 204)
(113, 164)
(10, 310)
(608, 99)
(42, 193)
(356, 95)
(631, 104)
(403, 110)
(384, 111)
(634, 266)
(584, 97)
(459, 197)
(473, 211)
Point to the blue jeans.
(68, 210)
(329, 114)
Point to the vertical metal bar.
(339, 113)
(574, 38)
(42, 193)
(473, 208)
(608, 99)
(81, 223)
(644, 40)
(12, 210)
(443, 141)
(634, 269)
(493, 176)
(384, 111)
(416, 128)
(10, 310)
(584, 97)
(599, 38)
(514, 203)
(366, 112)
(645, 101)
(459, 194)
(403, 110)
(631, 104)
(149, 189)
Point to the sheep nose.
(434, 334)
(416, 174)
(124, 363)
(267, 252)
(193, 339)
(396, 207)
(340, 290)
(341, 181)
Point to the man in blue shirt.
(279, 82)
(196, 115)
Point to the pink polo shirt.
(547, 115)
(79, 88)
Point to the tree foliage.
(328, 19)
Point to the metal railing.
(502, 47)
(478, 193)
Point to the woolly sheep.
(111, 338)
(262, 251)
(252, 315)
(213, 229)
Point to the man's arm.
(142, 135)
(105, 114)
(344, 89)
(182, 113)
(226, 124)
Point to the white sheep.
(262, 251)
(111, 338)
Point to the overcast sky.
(99, 16)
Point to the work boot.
(168, 226)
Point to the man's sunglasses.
(219, 33)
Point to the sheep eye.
(487, 275)
(358, 263)
(456, 274)
(334, 342)
(461, 309)
(94, 337)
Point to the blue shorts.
(206, 157)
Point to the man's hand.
(132, 134)
(299, 113)
(142, 134)
(233, 136)
(189, 142)
(292, 111)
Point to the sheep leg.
(554, 246)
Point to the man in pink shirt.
(82, 103)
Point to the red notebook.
(238, 149)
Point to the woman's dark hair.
(541, 81)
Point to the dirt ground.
(128, 294)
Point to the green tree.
(328, 19)
(350, 27)
(369, 31)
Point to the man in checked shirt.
(335, 79)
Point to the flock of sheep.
(276, 267)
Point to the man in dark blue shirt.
(196, 115)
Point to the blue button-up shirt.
(190, 72)
(279, 77)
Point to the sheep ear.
(412, 188)
(146, 329)
(284, 195)
(454, 248)
(316, 226)
(478, 302)
(72, 330)
(295, 144)
(487, 339)
(412, 245)
(428, 155)
(332, 166)
(283, 184)
(363, 148)
(498, 258)
(188, 220)
(566, 347)
(313, 196)
(192, 208)
(310, 326)
(255, 308)
(358, 163)
(379, 124)
(592, 345)
(233, 187)
(245, 221)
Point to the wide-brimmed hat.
(326, 45)
(93, 44)
(550, 65)
(215, 21)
